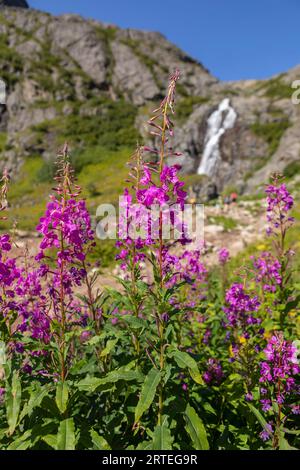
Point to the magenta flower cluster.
(223, 256)
(22, 294)
(70, 220)
(279, 204)
(267, 271)
(241, 307)
(214, 372)
(278, 370)
(33, 305)
(169, 190)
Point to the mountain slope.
(92, 84)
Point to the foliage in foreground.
(176, 358)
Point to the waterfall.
(218, 122)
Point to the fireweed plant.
(179, 356)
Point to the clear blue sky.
(234, 39)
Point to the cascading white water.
(218, 122)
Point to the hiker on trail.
(233, 197)
(227, 202)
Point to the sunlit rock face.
(14, 3)
(62, 73)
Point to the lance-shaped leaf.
(90, 384)
(147, 393)
(196, 429)
(259, 416)
(185, 361)
(62, 396)
(13, 403)
(22, 443)
(109, 347)
(35, 400)
(283, 443)
(66, 435)
(99, 442)
(51, 440)
(162, 439)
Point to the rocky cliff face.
(93, 83)
(263, 137)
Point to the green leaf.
(162, 439)
(196, 376)
(109, 347)
(35, 400)
(13, 403)
(147, 393)
(185, 361)
(99, 442)
(90, 384)
(51, 440)
(94, 341)
(62, 396)
(196, 429)
(283, 443)
(258, 415)
(66, 435)
(145, 445)
(133, 322)
(291, 431)
(22, 443)
(3, 358)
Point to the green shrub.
(47, 171)
(228, 223)
(105, 250)
(3, 138)
(292, 169)
(276, 88)
(271, 132)
(10, 61)
(186, 106)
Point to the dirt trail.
(250, 227)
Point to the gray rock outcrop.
(59, 68)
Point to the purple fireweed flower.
(241, 307)
(154, 184)
(223, 256)
(5, 243)
(85, 336)
(207, 335)
(267, 271)
(71, 220)
(278, 371)
(165, 317)
(184, 387)
(249, 396)
(146, 178)
(295, 409)
(279, 204)
(214, 373)
(152, 195)
(267, 432)
(266, 404)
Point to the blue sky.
(234, 39)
